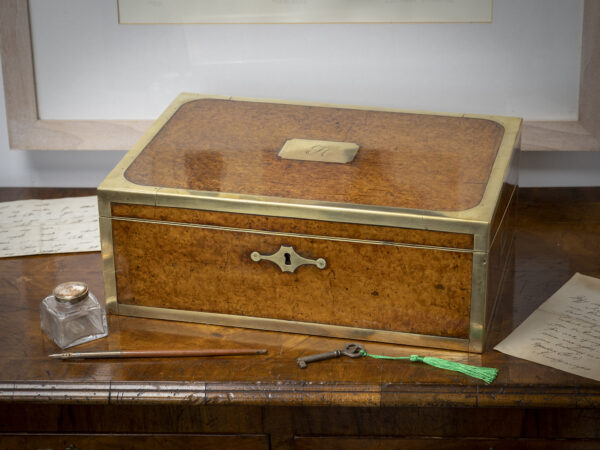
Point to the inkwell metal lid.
(71, 292)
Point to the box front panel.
(370, 285)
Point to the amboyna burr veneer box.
(339, 221)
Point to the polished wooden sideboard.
(266, 401)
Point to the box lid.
(223, 147)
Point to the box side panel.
(507, 195)
(302, 226)
(500, 261)
(364, 285)
(501, 253)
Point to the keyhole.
(288, 259)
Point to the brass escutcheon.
(287, 259)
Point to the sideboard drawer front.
(393, 443)
(134, 441)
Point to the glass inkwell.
(72, 315)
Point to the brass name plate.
(323, 151)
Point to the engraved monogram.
(321, 151)
(317, 150)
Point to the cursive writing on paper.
(564, 332)
(65, 225)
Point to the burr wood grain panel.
(288, 225)
(416, 161)
(379, 287)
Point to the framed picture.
(30, 128)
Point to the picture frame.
(27, 131)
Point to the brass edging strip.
(512, 194)
(511, 180)
(478, 302)
(108, 265)
(338, 331)
(323, 211)
(289, 208)
(509, 145)
(295, 235)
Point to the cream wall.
(525, 63)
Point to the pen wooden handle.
(183, 353)
(158, 353)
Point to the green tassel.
(487, 374)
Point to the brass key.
(352, 350)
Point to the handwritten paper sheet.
(31, 227)
(564, 332)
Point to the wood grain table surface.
(558, 234)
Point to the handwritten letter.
(31, 227)
(564, 332)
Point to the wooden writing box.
(407, 242)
